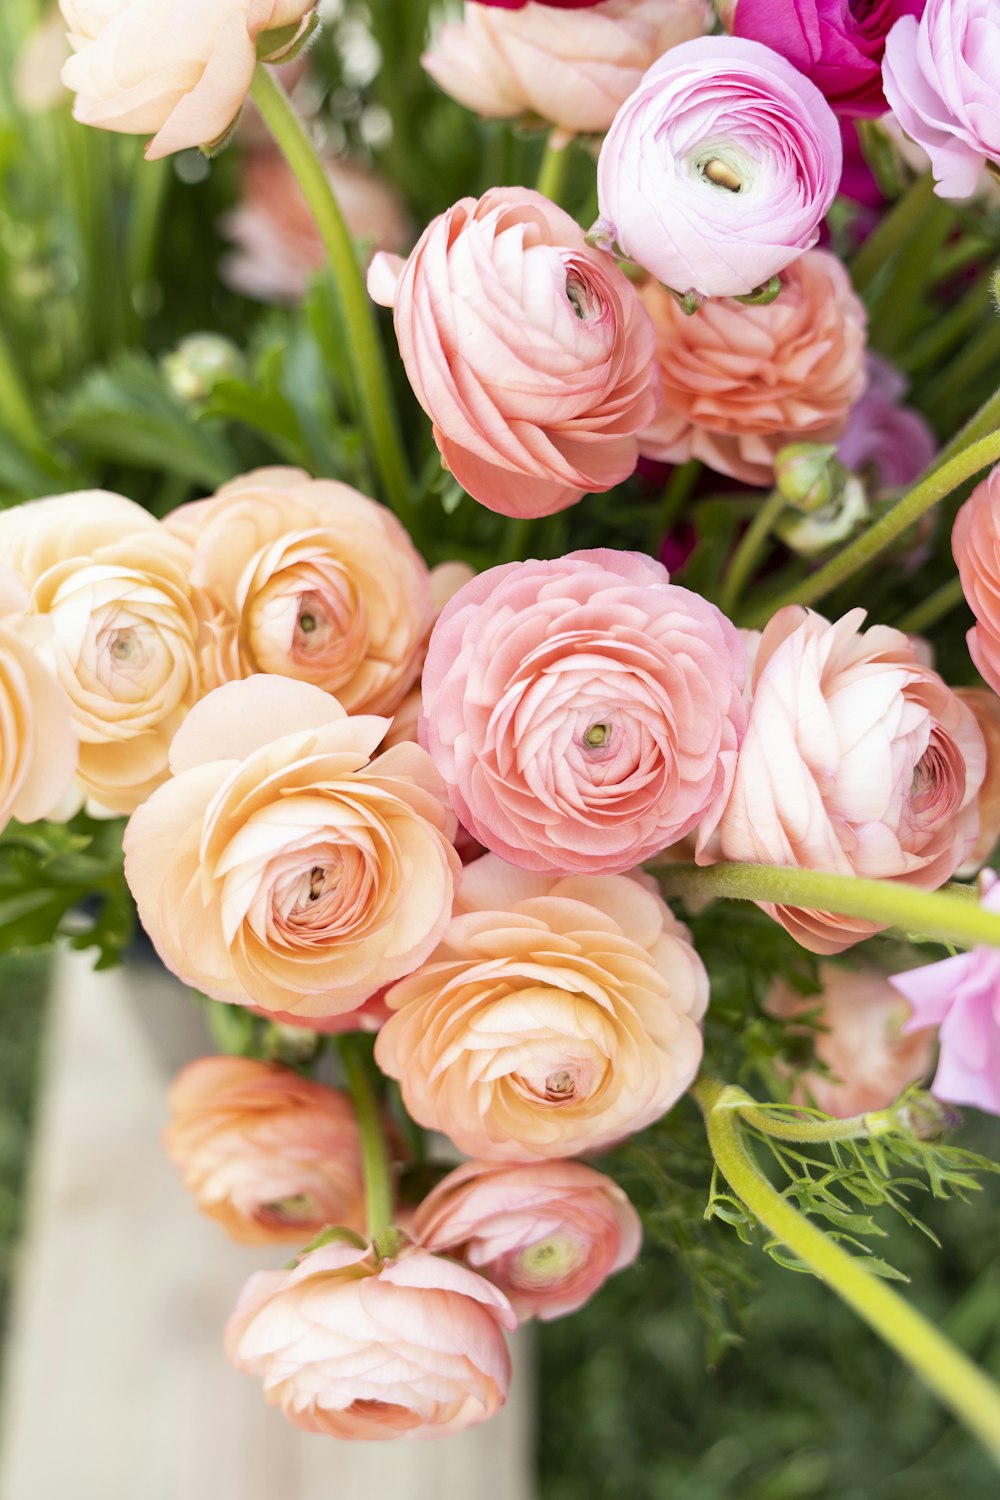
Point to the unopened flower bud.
(926, 1117)
(807, 474)
(198, 364)
(832, 523)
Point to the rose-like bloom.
(548, 1235)
(409, 1348)
(114, 586)
(975, 545)
(555, 1017)
(38, 748)
(574, 71)
(178, 70)
(740, 381)
(719, 168)
(858, 760)
(282, 867)
(278, 248)
(985, 707)
(584, 712)
(528, 350)
(889, 444)
(271, 1155)
(861, 1040)
(942, 80)
(837, 43)
(307, 578)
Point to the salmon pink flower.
(975, 544)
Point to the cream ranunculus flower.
(282, 867)
(38, 748)
(113, 585)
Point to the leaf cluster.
(65, 881)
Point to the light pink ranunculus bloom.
(548, 1235)
(888, 444)
(585, 712)
(282, 867)
(573, 70)
(719, 168)
(975, 545)
(273, 1156)
(740, 381)
(861, 1038)
(529, 351)
(409, 1348)
(38, 746)
(961, 996)
(555, 1017)
(858, 760)
(942, 81)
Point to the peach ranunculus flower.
(858, 760)
(307, 578)
(740, 381)
(861, 1040)
(114, 586)
(528, 350)
(585, 713)
(177, 70)
(975, 545)
(548, 1235)
(985, 707)
(282, 867)
(273, 1156)
(411, 1347)
(38, 748)
(555, 1017)
(572, 68)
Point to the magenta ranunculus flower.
(961, 995)
(837, 43)
(584, 712)
(718, 170)
(942, 79)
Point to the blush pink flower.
(38, 746)
(975, 545)
(985, 707)
(719, 168)
(411, 1347)
(273, 1156)
(281, 866)
(528, 350)
(858, 760)
(548, 1235)
(740, 381)
(889, 444)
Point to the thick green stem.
(953, 1378)
(374, 393)
(943, 600)
(805, 1131)
(748, 551)
(553, 171)
(375, 1160)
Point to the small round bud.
(807, 475)
(198, 364)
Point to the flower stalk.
(376, 1164)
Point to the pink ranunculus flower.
(38, 745)
(528, 350)
(548, 1235)
(584, 712)
(282, 867)
(985, 707)
(357, 1349)
(740, 381)
(942, 80)
(571, 70)
(272, 1156)
(961, 996)
(837, 43)
(862, 1040)
(858, 760)
(888, 444)
(975, 545)
(555, 1017)
(719, 168)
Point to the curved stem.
(748, 551)
(953, 1378)
(807, 1131)
(553, 171)
(943, 600)
(373, 391)
(356, 1057)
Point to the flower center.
(581, 298)
(596, 735)
(125, 646)
(721, 174)
(560, 1085)
(317, 880)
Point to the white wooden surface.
(116, 1386)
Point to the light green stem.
(374, 1149)
(806, 1131)
(748, 551)
(953, 1378)
(553, 172)
(943, 600)
(374, 393)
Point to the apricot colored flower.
(741, 381)
(409, 1348)
(585, 712)
(975, 545)
(528, 350)
(555, 1017)
(858, 760)
(38, 748)
(548, 1235)
(282, 867)
(271, 1155)
(985, 707)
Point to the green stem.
(943, 600)
(374, 393)
(356, 1057)
(16, 406)
(948, 918)
(677, 492)
(748, 551)
(954, 1379)
(554, 170)
(894, 231)
(812, 1132)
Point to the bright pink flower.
(975, 545)
(889, 444)
(583, 712)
